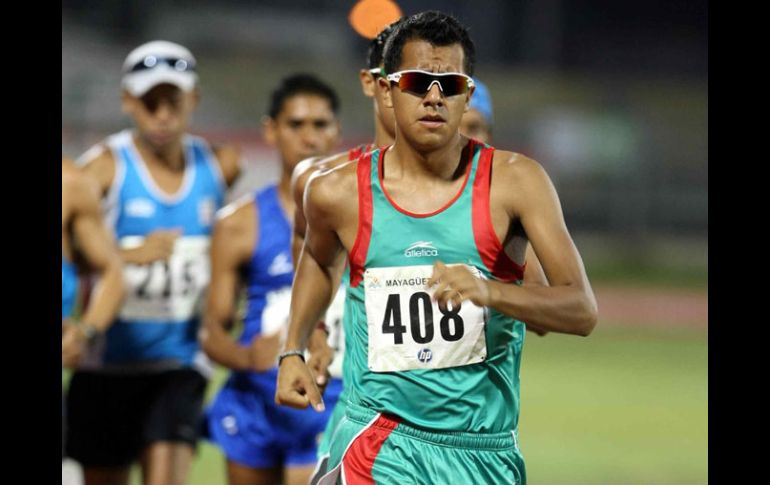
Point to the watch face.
(89, 331)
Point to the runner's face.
(305, 127)
(162, 114)
(431, 120)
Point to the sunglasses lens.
(415, 82)
(419, 83)
(454, 84)
(150, 62)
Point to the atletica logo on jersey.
(421, 248)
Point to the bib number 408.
(421, 329)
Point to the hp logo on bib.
(425, 356)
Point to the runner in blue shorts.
(265, 443)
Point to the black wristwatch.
(289, 353)
(89, 331)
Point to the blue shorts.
(255, 432)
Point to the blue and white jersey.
(268, 281)
(270, 271)
(244, 419)
(69, 287)
(158, 324)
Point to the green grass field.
(623, 406)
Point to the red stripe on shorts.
(359, 459)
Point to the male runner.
(141, 396)
(264, 443)
(436, 243)
(384, 136)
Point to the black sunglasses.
(176, 63)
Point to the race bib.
(333, 322)
(171, 290)
(408, 330)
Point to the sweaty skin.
(84, 232)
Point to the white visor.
(158, 62)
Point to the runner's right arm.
(320, 259)
(95, 243)
(232, 243)
(321, 354)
